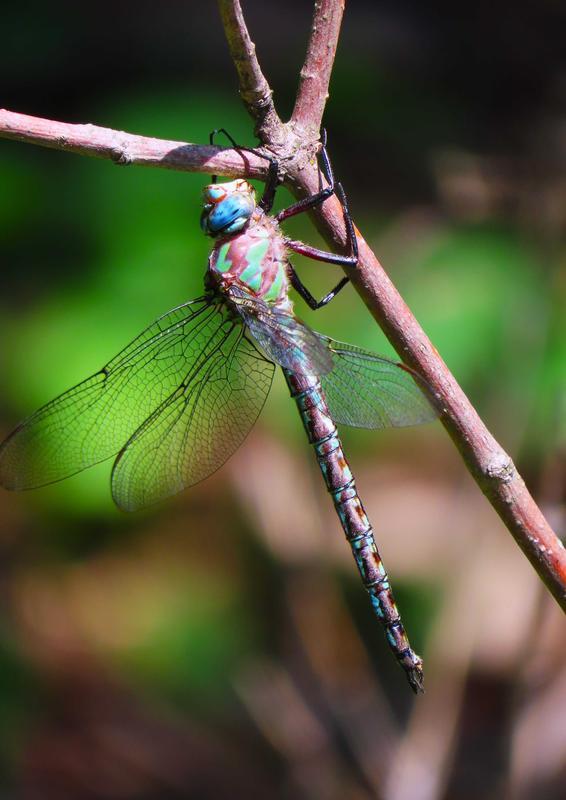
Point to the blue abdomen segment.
(341, 485)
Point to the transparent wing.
(365, 390)
(196, 429)
(93, 420)
(282, 337)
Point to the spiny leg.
(323, 194)
(311, 301)
(272, 180)
(324, 255)
(334, 187)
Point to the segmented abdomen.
(323, 435)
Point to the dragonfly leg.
(351, 260)
(311, 301)
(324, 255)
(322, 195)
(272, 181)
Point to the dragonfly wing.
(93, 420)
(284, 338)
(365, 390)
(199, 426)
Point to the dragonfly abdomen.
(323, 435)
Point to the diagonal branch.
(312, 93)
(489, 464)
(126, 148)
(255, 91)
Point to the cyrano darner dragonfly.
(180, 398)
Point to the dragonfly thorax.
(253, 260)
(227, 207)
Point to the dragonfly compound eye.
(227, 207)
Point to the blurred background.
(221, 644)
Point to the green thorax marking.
(274, 290)
(223, 264)
(252, 274)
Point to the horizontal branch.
(126, 148)
(490, 466)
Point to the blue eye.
(236, 225)
(229, 215)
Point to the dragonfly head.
(227, 207)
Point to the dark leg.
(271, 184)
(323, 255)
(313, 252)
(307, 296)
(322, 195)
(272, 180)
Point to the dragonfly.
(177, 402)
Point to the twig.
(126, 148)
(312, 93)
(488, 463)
(254, 88)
